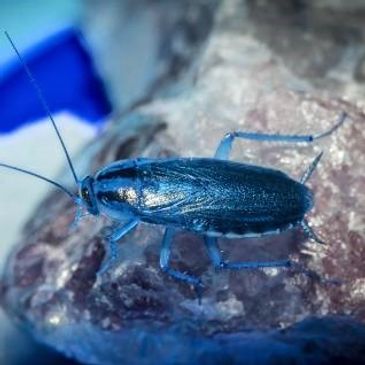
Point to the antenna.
(39, 177)
(45, 107)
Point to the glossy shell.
(204, 195)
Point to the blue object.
(64, 71)
(212, 197)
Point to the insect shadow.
(213, 197)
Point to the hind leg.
(224, 149)
(165, 263)
(112, 247)
(215, 256)
(308, 173)
(310, 233)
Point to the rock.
(135, 314)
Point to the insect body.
(207, 196)
(210, 196)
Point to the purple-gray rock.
(135, 314)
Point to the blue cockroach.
(210, 196)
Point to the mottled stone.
(137, 314)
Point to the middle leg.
(165, 256)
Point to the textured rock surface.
(135, 312)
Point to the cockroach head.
(87, 196)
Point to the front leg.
(112, 253)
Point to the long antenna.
(39, 177)
(43, 102)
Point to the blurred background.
(26, 144)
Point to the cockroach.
(212, 197)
